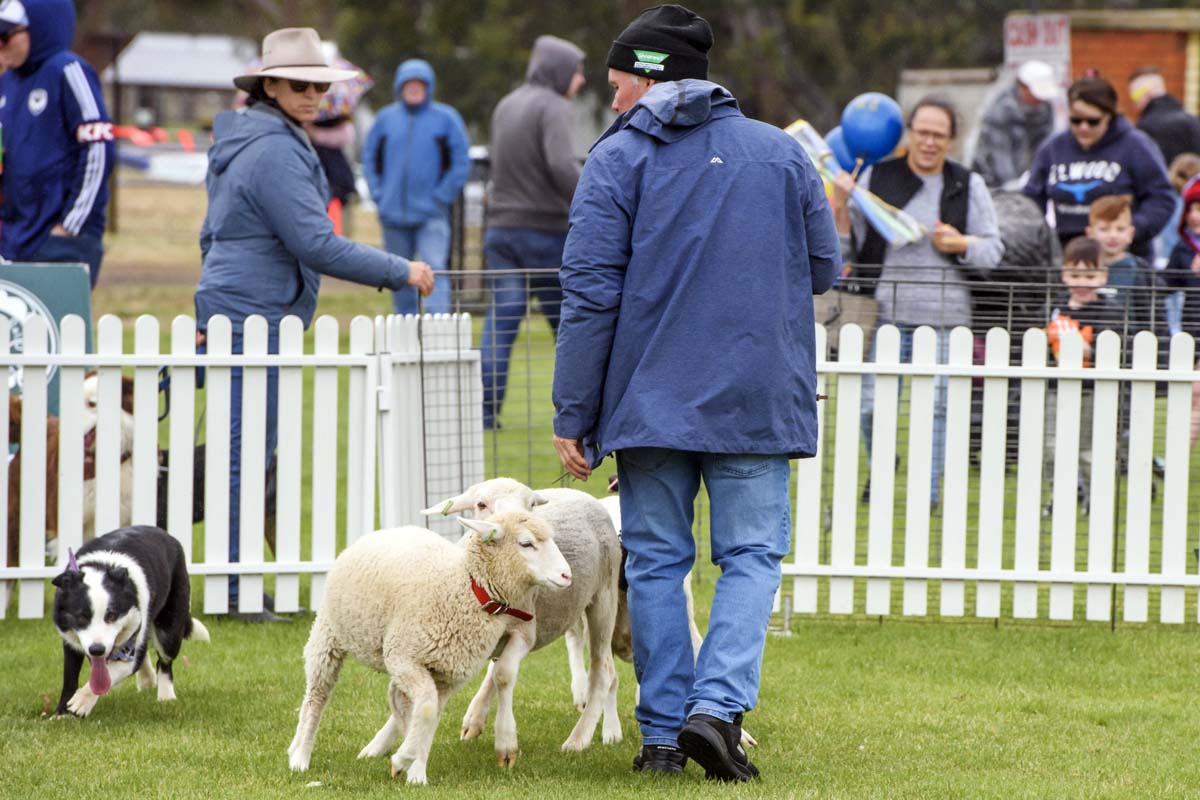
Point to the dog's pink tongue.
(99, 681)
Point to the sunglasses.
(1091, 122)
(300, 87)
(6, 35)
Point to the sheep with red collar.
(584, 533)
(428, 613)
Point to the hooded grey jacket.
(266, 235)
(534, 163)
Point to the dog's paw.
(82, 702)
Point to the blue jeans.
(82, 249)
(429, 241)
(750, 533)
(939, 401)
(507, 249)
(235, 447)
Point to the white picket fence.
(394, 366)
(873, 556)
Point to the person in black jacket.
(1161, 116)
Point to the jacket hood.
(415, 69)
(51, 30)
(669, 111)
(234, 131)
(1117, 129)
(552, 63)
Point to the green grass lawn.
(847, 709)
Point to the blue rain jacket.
(267, 236)
(697, 240)
(415, 158)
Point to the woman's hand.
(843, 185)
(947, 239)
(420, 275)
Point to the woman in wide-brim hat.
(266, 238)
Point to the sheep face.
(486, 499)
(527, 538)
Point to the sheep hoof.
(611, 737)
(573, 746)
(748, 740)
(470, 731)
(506, 760)
(580, 707)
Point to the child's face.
(1082, 275)
(1114, 236)
(1192, 220)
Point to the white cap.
(1038, 78)
(12, 15)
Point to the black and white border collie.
(120, 593)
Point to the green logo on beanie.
(649, 60)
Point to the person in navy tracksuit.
(57, 139)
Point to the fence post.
(31, 601)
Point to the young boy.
(1183, 273)
(1110, 222)
(1087, 306)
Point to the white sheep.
(584, 534)
(407, 602)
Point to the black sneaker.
(659, 759)
(716, 745)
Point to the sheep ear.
(538, 500)
(488, 531)
(445, 508)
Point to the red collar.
(495, 607)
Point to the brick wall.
(1118, 53)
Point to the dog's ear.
(67, 578)
(119, 574)
(127, 393)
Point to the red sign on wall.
(1041, 37)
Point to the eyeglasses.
(6, 35)
(1091, 122)
(300, 87)
(933, 136)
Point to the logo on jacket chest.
(1080, 177)
(37, 101)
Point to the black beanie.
(664, 43)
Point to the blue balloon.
(837, 143)
(872, 125)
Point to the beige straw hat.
(293, 53)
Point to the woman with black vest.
(923, 283)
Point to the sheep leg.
(697, 639)
(575, 636)
(425, 704)
(601, 616)
(385, 740)
(322, 663)
(505, 678)
(475, 719)
(610, 732)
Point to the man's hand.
(570, 453)
(420, 275)
(59, 230)
(947, 239)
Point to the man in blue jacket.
(57, 139)
(416, 163)
(697, 240)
